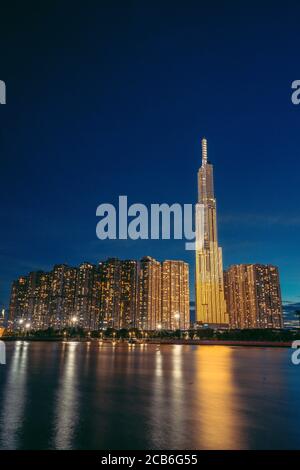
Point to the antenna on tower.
(204, 150)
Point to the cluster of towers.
(118, 294)
(246, 295)
(150, 295)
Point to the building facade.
(253, 296)
(110, 293)
(85, 302)
(149, 299)
(210, 299)
(175, 296)
(114, 294)
(118, 293)
(129, 289)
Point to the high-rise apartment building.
(210, 300)
(175, 295)
(58, 296)
(253, 296)
(118, 293)
(40, 315)
(18, 306)
(129, 289)
(110, 293)
(2, 318)
(149, 317)
(85, 303)
(115, 294)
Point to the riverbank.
(212, 342)
(160, 341)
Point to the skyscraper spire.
(204, 150)
(210, 301)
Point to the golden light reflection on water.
(202, 380)
(151, 397)
(177, 384)
(220, 423)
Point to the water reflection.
(13, 406)
(178, 394)
(66, 415)
(220, 422)
(91, 396)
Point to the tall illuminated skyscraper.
(210, 300)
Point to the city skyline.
(149, 231)
(119, 294)
(129, 120)
(206, 197)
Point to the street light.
(177, 318)
(27, 327)
(100, 338)
(21, 321)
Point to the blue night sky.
(110, 98)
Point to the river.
(76, 395)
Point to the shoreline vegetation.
(272, 344)
(201, 336)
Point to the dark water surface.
(90, 396)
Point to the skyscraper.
(110, 293)
(253, 296)
(85, 296)
(115, 294)
(149, 317)
(210, 301)
(129, 294)
(39, 299)
(18, 306)
(57, 301)
(175, 295)
(118, 293)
